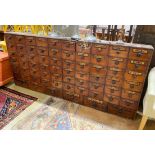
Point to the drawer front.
(45, 75)
(82, 66)
(55, 53)
(68, 96)
(68, 87)
(43, 60)
(24, 65)
(82, 76)
(111, 99)
(56, 92)
(31, 50)
(137, 65)
(96, 95)
(81, 91)
(10, 38)
(20, 39)
(81, 83)
(35, 72)
(69, 64)
(44, 67)
(118, 51)
(130, 95)
(96, 87)
(68, 45)
(84, 57)
(96, 69)
(134, 76)
(117, 62)
(100, 49)
(110, 80)
(41, 42)
(140, 54)
(57, 84)
(56, 62)
(11, 47)
(46, 83)
(24, 72)
(83, 47)
(53, 43)
(33, 58)
(56, 77)
(68, 55)
(30, 40)
(55, 69)
(68, 72)
(42, 51)
(21, 49)
(69, 79)
(33, 65)
(117, 73)
(112, 90)
(97, 78)
(133, 86)
(99, 60)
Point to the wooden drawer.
(111, 80)
(53, 43)
(41, 41)
(10, 38)
(31, 50)
(116, 72)
(43, 60)
(20, 39)
(120, 111)
(13, 55)
(69, 79)
(97, 78)
(69, 64)
(114, 91)
(57, 84)
(56, 62)
(33, 58)
(69, 55)
(44, 67)
(83, 47)
(42, 51)
(130, 95)
(133, 105)
(112, 99)
(45, 75)
(46, 83)
(68, 96)
(82, 76)
(140, 54)
(117, 62)
(24, 65)
(11, 47)
(68, 45)
(21, 49)
(33, 65)
(81, 90)
(81, 83)
(30, 40)
(68, 87)
(96, 69)
(96, 95)
(119, 51)
(68, 72)
(137, 65)
(56, 77)
(35, 79)
(134, 76)
(56, 92)
(56, 70)
(82, 57)
(96, 87)
(99, 60)
(82, 66)
(25, 72)
(35, 72)
(100, 49)
(55, 53)
(133, 86)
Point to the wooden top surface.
(3, 56)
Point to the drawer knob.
(131, 86)
(30, 41)
(115, 72)
(116, 62)
(130, 95)
(136, 65)
(139, 54)
(21, 48)
(120, 110)
(68, 87)
(112, 90)
(68, 79)
(113, 81)
(67, 55)
(94, 104)
(110, 99)
(68, 71)
(117, 52)
(68, 63)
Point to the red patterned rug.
(12, 103)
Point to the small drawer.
(46, 83)
(83, 47)
(68, 87)
(84, 57)
(45, 75)
(69, 79)
(130, 95)
(33, 58)
(96, 69)
(116, 72)
(110, 80)
(68, 96)
(137, 65)
(111, 99)
(96, 87)
(30, 40)
(140, 54)
(20, 39)
(53, 43)
(10, 38)
(99, 60)
(56, 77)
(67, 64)
(100, 49)
(97, 78)
(69, 55)
(55, 53)
(33, 65)
(35, 72)
(81, 83)
(24, 72)
(44, 67)
(82, 66)
(68, 45)
(56, 69)
(41, 41)
(112, 90)
(68, 72)
(82, 76)
(134, 76)
(117, 62)
(56, 92)
(42, 51)
(43, 60)
(13, 54)
(57, 84)
(119, 51)
(81, 91)
(56, 62)
(11, 47)
(96, 95)
(24, 64)
(21, 49)
(31, 50)
(133, 86)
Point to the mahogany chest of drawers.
(106, 76)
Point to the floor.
(39, 115)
